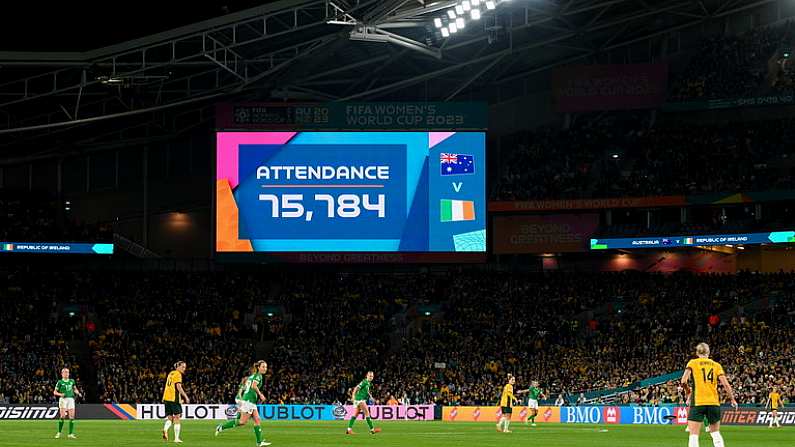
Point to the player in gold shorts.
(704, 399)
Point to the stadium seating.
(573, 332)
(610, 158)
(730, 66)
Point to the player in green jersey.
(246, 399)
(66, 390)
(360, 396)
(534, 395)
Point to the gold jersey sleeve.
(170, 393)
(507, 396)
(775, 400)
(705, 381)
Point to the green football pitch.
(398, 434)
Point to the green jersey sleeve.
(364, 390)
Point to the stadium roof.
(313, 50)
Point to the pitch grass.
(395, 434)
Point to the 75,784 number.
(345, 205)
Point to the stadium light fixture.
(465, 5)
(490, 5)
(453, 28)
(460, 23)
(459, 10)
(475, 14)
(437, 22)
(475, 3)
(445, 32)
(451, 14)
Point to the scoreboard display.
(383, 192)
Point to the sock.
(71, 426)
(350, 423)
(778, 421)
(60, 425)
(177, 428)
(507, 424)
(501, 424)
(230, 424)
(772, 420)
(369, 422)
(258, 433)
(167, 425)
(692, 441)
(533, 419)
(717, 439)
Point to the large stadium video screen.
(383, 192)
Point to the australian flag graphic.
(456, 164)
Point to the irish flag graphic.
(457, 210)
(689, 240)
(8, 247)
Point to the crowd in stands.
(633, 155)
(614, 158)
(34, 345)
(146, 324)
(574, 333)
(730, 66)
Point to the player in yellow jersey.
(507, 401)
(171, 400)
(704, 400)
(774, 401)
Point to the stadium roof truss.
(316, 50)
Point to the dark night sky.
(27, 25)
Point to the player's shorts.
(357, 402)
(709, 412)
(172, 408)
(66, 403)
(246, 407)
(507, 410)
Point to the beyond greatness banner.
(583, 88)
(543, 234)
